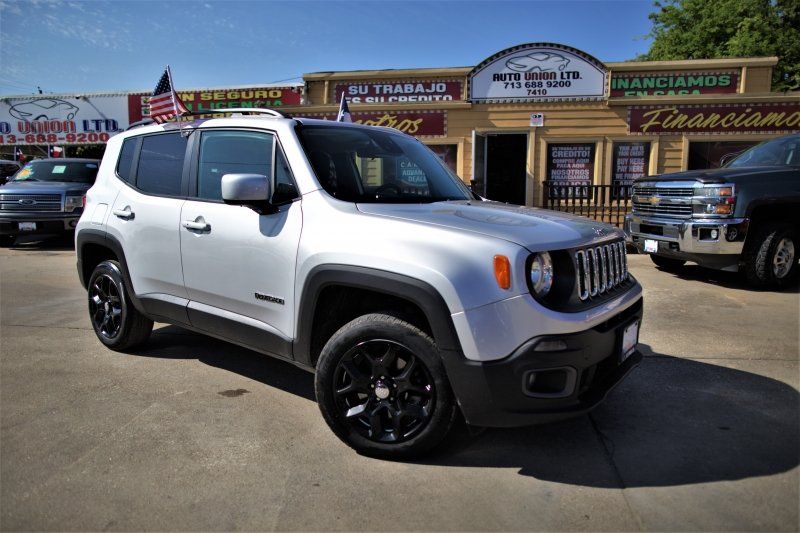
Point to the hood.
(716, 175)
(43, 187)
(535, 229)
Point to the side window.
(285, 189)
(161, 164)
(231, 152)
(125, 163)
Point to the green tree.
(707, 29)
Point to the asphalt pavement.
(193, 433)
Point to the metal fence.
(605, 203)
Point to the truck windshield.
(783, 151)
(77, 171)
(370, 165)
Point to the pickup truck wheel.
(770, 255)
(7, 240)
(382, 388)
(667, 263)
(115, 320)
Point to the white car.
(293, 237)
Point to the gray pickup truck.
(742, 217)
(45, 197)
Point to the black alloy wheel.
(384, 391)
(382, 388)
(116, 322)
(105, 307)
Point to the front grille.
(30, 202)
(600, 269)
(671, 192)
(674, 210)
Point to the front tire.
(667, 263)
(116, 322)
(770, 256)
(382, 388)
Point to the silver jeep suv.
(352, 251)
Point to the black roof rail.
(243, 110)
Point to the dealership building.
(523, 118)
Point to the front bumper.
(46, 223)
(691, 239)
(498, 393)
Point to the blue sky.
(74, 46)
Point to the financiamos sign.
(731, 118)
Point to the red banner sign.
(399, 91)
(722, 118)
(416, 123)
(221, 99)
(673, 83)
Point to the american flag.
(165, 104)
(344, 111)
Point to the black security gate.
(604, 203)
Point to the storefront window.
(714, 154)
(630, 161)
(447, 153)
(571, 165)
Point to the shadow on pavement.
(729, 280)
(45, 243)
(672, 422)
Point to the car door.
(145, 216)
(239, 265)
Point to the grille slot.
(30, 202)
(664, 191)
(662, 209)
(600, 269)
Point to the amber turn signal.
(502, 271)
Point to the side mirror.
(251, 190)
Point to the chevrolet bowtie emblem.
(655, 200)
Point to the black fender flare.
(418, 292)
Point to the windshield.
(365, 165)
(783, 151)
(77, 171)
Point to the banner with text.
(416, 123)
(721, 118)
(673, 83)
(629, 161)
(573, 162)
(206, 99)
(398, 92)
(62, 119)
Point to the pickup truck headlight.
(541, 274)
(74, 202)
(716, 201)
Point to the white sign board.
(62, 119)
(538, 72)
(537, 120)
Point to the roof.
(67, 160)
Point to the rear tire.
(382, 388)
(770, 255)
(116, 322)
(7, 240)
(667, 263)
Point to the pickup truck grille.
(674, 210)
(30, 202)
(664, 201)
(600, 269)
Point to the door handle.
(124, 214)
(198, 224)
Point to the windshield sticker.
(59, 169)
(24, 173)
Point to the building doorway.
(506, 162)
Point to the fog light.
(714, 234)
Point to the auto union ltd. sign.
(538, 72)
(62, 119)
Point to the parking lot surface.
(194, 433)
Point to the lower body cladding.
(37, 224)
(711, 243)
(550, 377)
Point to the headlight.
(541, 274)
(73, 202)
